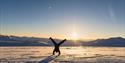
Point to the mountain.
(114, 42)
(29, 41)
(33, 41)
(22, 41)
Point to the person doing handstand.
(56, 49)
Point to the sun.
(74, 36)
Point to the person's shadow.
(48, 59)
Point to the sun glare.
(74, 36)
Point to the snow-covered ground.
(68, 55)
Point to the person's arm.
(62, 41)
(52, 40)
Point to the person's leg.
(59, 53)
(53, 52)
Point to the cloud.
(49, 7)
(111, 13)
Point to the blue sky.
(89, 19)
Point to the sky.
(71, 19)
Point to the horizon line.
(58, 38)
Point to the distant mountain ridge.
(33, 41)
(28, 41)
(114, 41)
(22, 41)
